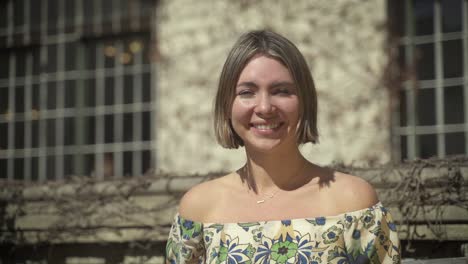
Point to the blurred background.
(105, 113)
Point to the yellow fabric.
(364, 236)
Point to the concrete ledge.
(463, 260)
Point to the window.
(432, 119)
(75, 89)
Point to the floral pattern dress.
(364, 236)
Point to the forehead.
(263, 68)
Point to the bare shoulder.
(353, 193)
(196, 204)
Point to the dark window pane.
(3, 168)
(52, 58)
(35, 14)
(426, 107)
(71, 50)
(127, 163)
(18, 173)
(454, 105)
(108, 129)
(19, 135)
(36, 61)
(17, 39)
(455, 143)
(401, 57)
(19, 99)
(50, 168)
(68, 166)
(3, 15)
(4, 66)
(3, 39)
(108, 167)
(403, 148)
(51, 95)
(69, 131)
(427, 146)
(18, 13)
(451, 15)
(20, 58)
(70, 93)
(35, 96)
(423, 11)
(127, 127)
(90, 93)
(88, 10)
(51, 132)
(146, 128)
(35, 133)
(145, 50)
(453, 59)
(146, 161)
(34, 168)
(52, 14)
(106, 9)
(425, 61)
(109, 91)
(89, 164)
(128, 89)
(3, 100)
(91, 56)
(91, 130)
(146, 87)
(69, 15)
(4, 136)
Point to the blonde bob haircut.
(275, 46)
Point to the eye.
(282, 91)
(245, 93)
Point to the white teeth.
(266, 127)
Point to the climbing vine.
(418, 191)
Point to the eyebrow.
(273, 85)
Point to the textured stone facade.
(343, 42)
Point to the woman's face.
(265, 110)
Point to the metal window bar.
(411, 107)
(153, 103)
(137, 118)
(99, 136)
(465, 64)
(59, 123)
(118, 117)
(11, 113)
(43, 95)
(10, 27)
(439, 80)
(28, 118)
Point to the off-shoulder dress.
(365, 236)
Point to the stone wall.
(343, 42)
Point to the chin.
(263, 147)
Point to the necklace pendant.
(260, 201)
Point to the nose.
(264, 105)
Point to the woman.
(279, 207)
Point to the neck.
(266, 171)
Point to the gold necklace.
(272, 195)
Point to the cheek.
(240, 111)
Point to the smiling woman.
(279, 207)
(265, 110)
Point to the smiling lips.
(266, 127)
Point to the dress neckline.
(378, 205)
